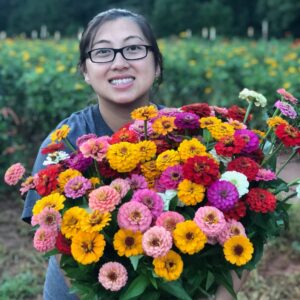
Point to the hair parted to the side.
(93, 26)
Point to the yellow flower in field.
(209, 121)
(25, 56)
(164, 125)
(146, 149)
(95, 221)
(78, 86)
(54, 200)
(290, 56)
(123, 156)
(188, 237)
(275, 121)
(208, 74)
(73, 70)
(220, 62)
(169, 266)
(128, 243)
(144, 113)
(65, 176)
(42, 59)
(60, 133)
(208, 90)
(39, 70)
(71, 221)
(292, 70)
(87, 247)
(190, 148)
(190, 193)
(60, 68)
(95, 181)
(192, 62)
(221, 130)
(286, 85)
(272, 73)
(167, 159)
(238, 250)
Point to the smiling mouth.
(121, 81)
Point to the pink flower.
(121, 186)
(77, 187)
(211, 221)
(27, 185)
(219, 110)
(84, 138)
(169, 219)
(265, 175)
(157, 241)
(14, 173)
(287, 96)
(231, 229)
(286, 109)
(135, 216)
(138, 127)
(151, 199)
(104, 199)
(49, 218)
(95, 148)
(171, 177)
(113, 276)
(44, 239)
(137, 182)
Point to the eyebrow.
(125, 40)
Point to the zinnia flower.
(63, 244)
(237, 113)
(244, 165)
(144, 113)
(65, 176)
(83, 138)
(78, 162)
(48, 218)
(77, 187)
(94, 221)
(289, 135)
(230, 145)
(137, 182)
(190, 193)
(250, 138)
(125, 135)
(138, 128)
(261, 200)
(164, 125)
(286, 109)
(188, 237)
(113, 276)
(221, 130)
(287, 96)
(171, 177)
(55, 157)
(44, 239)
(169, 219)
(60, 133)
(238, 250)
(14, 173)
(186, 120)
(167, 158)
(147, 150)
(27, 185)
(238, 179)
(95, 148)
(199, 109)
(121, 186)
(237, 212)
(52, 148)
(258, 99)
(190, 148)
(265, 175)
(275, 121)
(233, 228)
(54, 200)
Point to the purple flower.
(223, 195)
(78, 162)
(186, 120)
(251, 139)
(171, 177)
(137, 182)
(77, 187)
(286, 109)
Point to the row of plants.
(40, 84)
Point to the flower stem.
(145, 129)
(289, 197)
(97, 169)
(248, 111)
(296, 181)
(69, 144)
(270, 156)
(287, 161)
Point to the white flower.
(259, 99)
(298, 191)
(219, 158)
(167, 196)
(55, 157)
(238, 179)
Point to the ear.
(86, 78)
(157, 72)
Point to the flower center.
(50, 219)
(87, 247)
(170, 264)
(135, 216)
(129, 241)
(211, 218)
(148, 202)
(155, 242)
(95, 218)
(112, 276)
(238, 250)
(189, 236)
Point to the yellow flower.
(167, 159)
(150, 171)
(95, 221)
(95, 181)
(190, 148)
(87, 247)
(60, 133)
(144, 113)
(25, 56)
(164, 125)
(208, 74)
(169, 266)
(238, 250)
(128, 243)
(208, 90)
(71, 221)
(39, 70)
(286, 85)
(78, 86)
(146, 150)
(54, 200)
(65, 176)
(123, 156)
(221, 130)
(275, 121)
(260, 133)
(190, 193)
(188, 237)
(209, 121)
(60, 68)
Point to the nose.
(119, 62)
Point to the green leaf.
(209, 280)
(173, 203)
(51, 253)
(136, 288)
(135, 261)
(153, 282)
(176, 289)
(151, 295)
(225, 279)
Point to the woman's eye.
(103, 52)
(133, 48)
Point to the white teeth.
(121, 81)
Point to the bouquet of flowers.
(167, 206)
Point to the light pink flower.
(137, 182)
(44, 239)
(265, 175)
(287, 96)
(121, 186)
(84, 138)
(14, 173)
(286, 109)
(232, 228)
(169, 219)
(157, 241)
(219, 110)
(210, 220)
(48, 218)
(135, 216)
(95, 148)
(27, 185)
(138, 127)
(104, 199)
(77, 187)
(113, 276)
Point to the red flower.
(124, 135)
(52, 148)
(201, 169)
(105, 169)
(237, 212)
(230, 145)
(256, 155)
(260, 200)
(46, 180)
(63, 244)
(161, 146)
(199, 109)
(244, 165)
(289, 135)
(237, 113)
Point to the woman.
(120, 60)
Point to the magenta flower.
(48, 218)
(84, 138)
(169, 219)
(231, 229)
(287, 96)
(134, 216)
(265, 175)
(78, 162)
(44, 239)
(186, 120)
(14, 173)
(151, 199)
(113, 276)
(223, 195)
(77, 187)
(95, 148)
(137, 182)
(157, 241)
(251, 139)
(121, 186)
(286, 109)
(171, 177)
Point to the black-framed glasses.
(131, 52)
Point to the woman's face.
(121, 81)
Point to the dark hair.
(90, 32)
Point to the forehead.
(117, 31)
